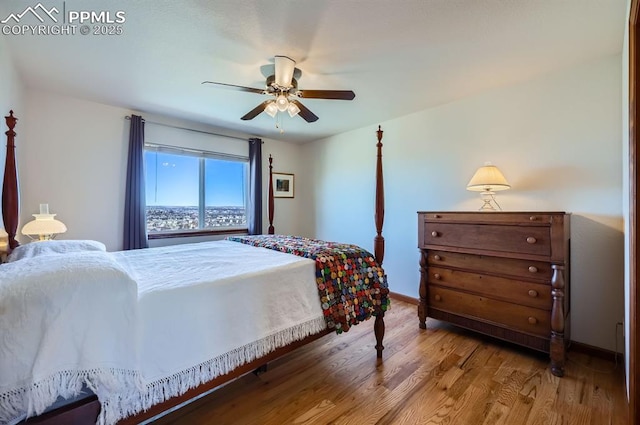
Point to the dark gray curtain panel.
(135, 223)
(254, 213)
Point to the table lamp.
(487, 180)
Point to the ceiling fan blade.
(305, 113)
(255, 111)
(239, 88)
(326, 94)
(285, 67)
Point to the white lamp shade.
(271, 109)
(43, 225)
(282, 103)
(293, 109)
(488, 178)
(4, 240)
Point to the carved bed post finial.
(10, 185)
(378, 241)
(271, 204)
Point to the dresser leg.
(557, 354)
(422, 305)
(557, 346)
(422, 320)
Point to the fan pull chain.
(279, 123)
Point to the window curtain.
(254, 214)
(135, 224)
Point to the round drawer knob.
(531, 240)
(436, 257)
(438, 297)
(533, 320)
(436, 216)
(437, 276)
(533, 269)
(434, 234)
(533, 293)
(533, 218)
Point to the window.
(191, 191)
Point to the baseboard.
(578, 347)
(404, 298)
(590, 350)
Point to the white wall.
(557, 139)
(11, 98)
(74, 157)
(289, 213)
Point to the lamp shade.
(4, 240)
(271, 109)
(282, 103)
(45, 226)
(488, 178)
(293, 109)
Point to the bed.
(146, 330)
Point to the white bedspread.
(164, 321)
(65, 320)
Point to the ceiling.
(398, 56)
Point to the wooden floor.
(443, 375)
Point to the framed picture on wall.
(282, 185)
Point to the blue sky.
(172, 180)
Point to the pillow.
(34, 249)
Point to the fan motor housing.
(271, 84)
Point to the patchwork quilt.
(351, 284)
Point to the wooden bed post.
(378, 241)
(271, 205)
(10, 185)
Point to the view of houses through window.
(194, 190)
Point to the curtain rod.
(128, 117)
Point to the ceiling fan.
(282, 87)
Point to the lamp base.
(43, 237)
(488, 197)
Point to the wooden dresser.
(505, 274)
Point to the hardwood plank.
(441, 375)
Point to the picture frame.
(283, 185)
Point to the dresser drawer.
(535, 218)
(523, 269)
(533, 240)
(511, 316)
(509, 290)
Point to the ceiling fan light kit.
(282, 103)
(293, 110)
(283, 88)
(271, 109)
